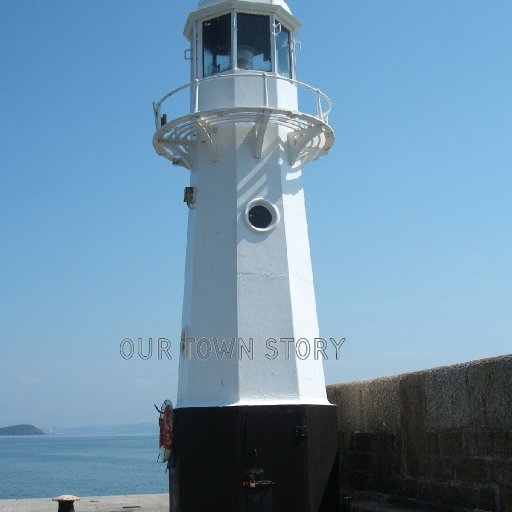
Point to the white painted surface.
(246, 284)
(248, 90)
(241, 283)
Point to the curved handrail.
(195, 87)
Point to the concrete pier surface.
(135, 503)
(361, 502)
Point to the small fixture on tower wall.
(189, 196)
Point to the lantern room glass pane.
(217, 45)
(284, 65)
(253, 46)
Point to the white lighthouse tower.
(253, 428)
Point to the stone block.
(385, 481)
(474, 443)
(384, 400)
(412, 402)
(433, 446)
(447, 400)
(414, 458)
(497, 443)
(367, 405)
(344, 455)
(505, 500)
(487, 499)
(472, 469)
(344, 440)
(407, 487)
(501, 472)
(360, 480)
(490, 406)
(450, 443)
(362, 462)
(448, 493)
(361, 441)
(383, 442)
(439, 467)
(353, 405)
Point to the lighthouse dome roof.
(281, 3)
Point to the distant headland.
(20, 430)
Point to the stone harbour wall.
(440, 436)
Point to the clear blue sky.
(409, 216)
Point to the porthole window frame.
(276, 217)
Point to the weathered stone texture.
(443, 436)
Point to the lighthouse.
(253, 429)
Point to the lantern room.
(242, 55)
(235, 35)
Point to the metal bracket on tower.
(299, 139)
(207, 131)
(260, 128)
(179, 156)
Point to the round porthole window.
(261, 215)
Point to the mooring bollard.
(66, 502)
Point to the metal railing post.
(265, 87)
(319, 104)
(156, 112)
(196, 96)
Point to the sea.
(80, 464)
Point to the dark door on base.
(274, 465)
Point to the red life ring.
(166, 429)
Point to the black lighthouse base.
(279, 458)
